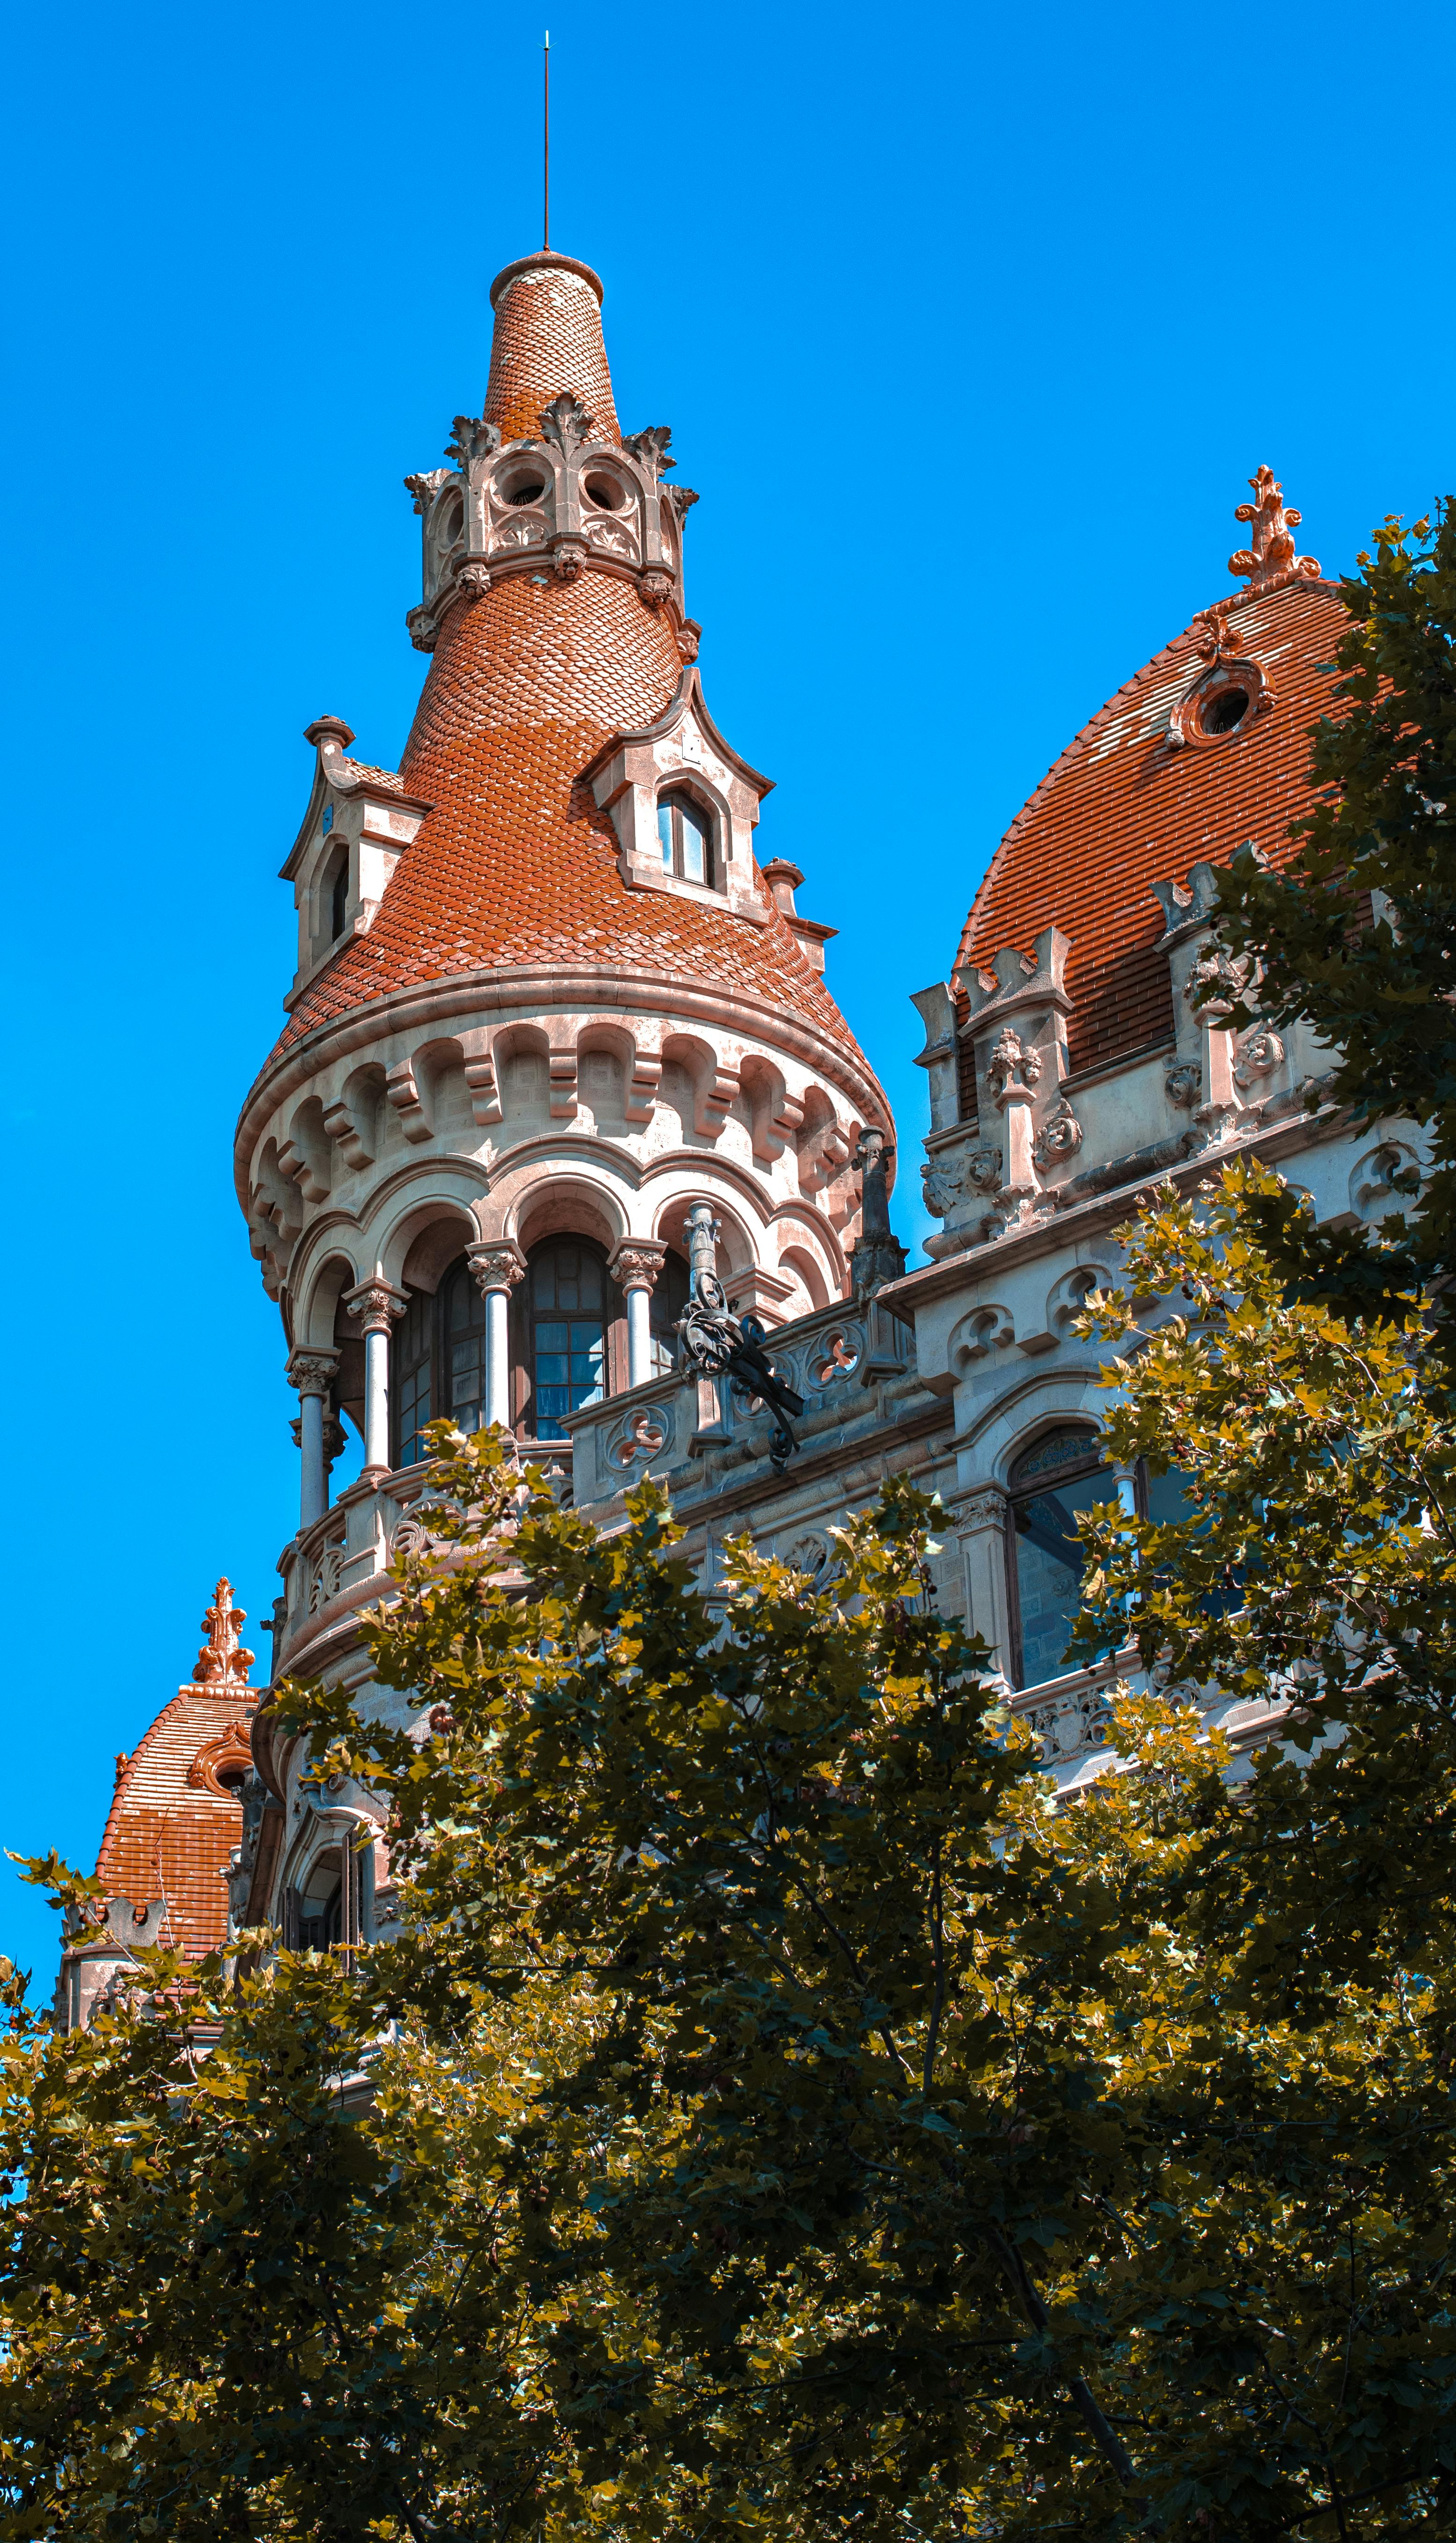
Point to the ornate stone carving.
(650, 448)
(472, 439)
(312, 1372)
(496, 1267)
(1060, 1137)
(424, 629)
(427, 485)
(1260, 1054)
(654, 586)
(984, 1169)
(374, 1306)
(1183, 1083)
(689, 636)
(1214, 639)
(1215, 983)
(808, 1552)
(229, 1753)
(568, 558)
(222, 1664)
(327, 1574)
(567, 423)
(645, 1434)
(1269, 559)
(837, 1357)
(983, 1509)
(681, 498)
(473, 580)
(1012, 1066)
(637, 1263)
(878, 1255)
(944, 1179)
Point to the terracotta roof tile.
(548, 338)
(1122, 808)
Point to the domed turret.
(545, 998)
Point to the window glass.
(464, 1349)
(569, 1338)
(664, 833)
(408, 1378)
(1055, 1482)
(694, 845)
(339, 898)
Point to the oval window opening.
(519, 495)
(1226, 712)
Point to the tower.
(546, 999)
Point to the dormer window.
(337, 899)
(685, 831)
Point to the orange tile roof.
(1122, 808)
(548, 338)
(171, 1829)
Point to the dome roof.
(174, 1816)
(1151, 787)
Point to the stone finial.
(222, 1664)
(1270, 560)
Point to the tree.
(1357, 932)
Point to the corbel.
(644, 1078)
(482, 1079)
(712, 1097)
(403, 1094)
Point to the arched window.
(566, 1314)
(1062, 1475)
(463, 1316)
(338, 898)
(411, 1378)
(685, 833)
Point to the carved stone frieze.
(1060, 1137)
(1260, 1054)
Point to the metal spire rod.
(546, 142)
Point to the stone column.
(497, 1270)
(312, 1373)
(374, 1306)
(635, 1267)
(981, 1531)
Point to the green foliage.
(1357, 933)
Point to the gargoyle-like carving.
(1060, 1137)
(650, 447)
(688, 637)
(470, 440)
(1183, 1083)
(567, 423)
(568, 558)
(427, 485)
(424, 630)
(1259, 1055)
(1012, 1063)
(945, 1184)
(1270, 560)
(473, 580)
(682, 498)
(1215, 983)
(654, 586)
(222, 1664)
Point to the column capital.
(984, 1509)
(637, 1262)
(374, 1304)
(312, 1372)
(496, 1267)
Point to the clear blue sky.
(971, 325)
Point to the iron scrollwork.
(718, 1343)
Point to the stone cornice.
(538, 991)
(1064, 1228)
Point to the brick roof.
(1122, 808)
(170, 1831)
(548, 338)
(514, 864)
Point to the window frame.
(1073, 1471)
(676, 801)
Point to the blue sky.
(970, 326)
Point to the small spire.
(222, 1664)
(1270, 559)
